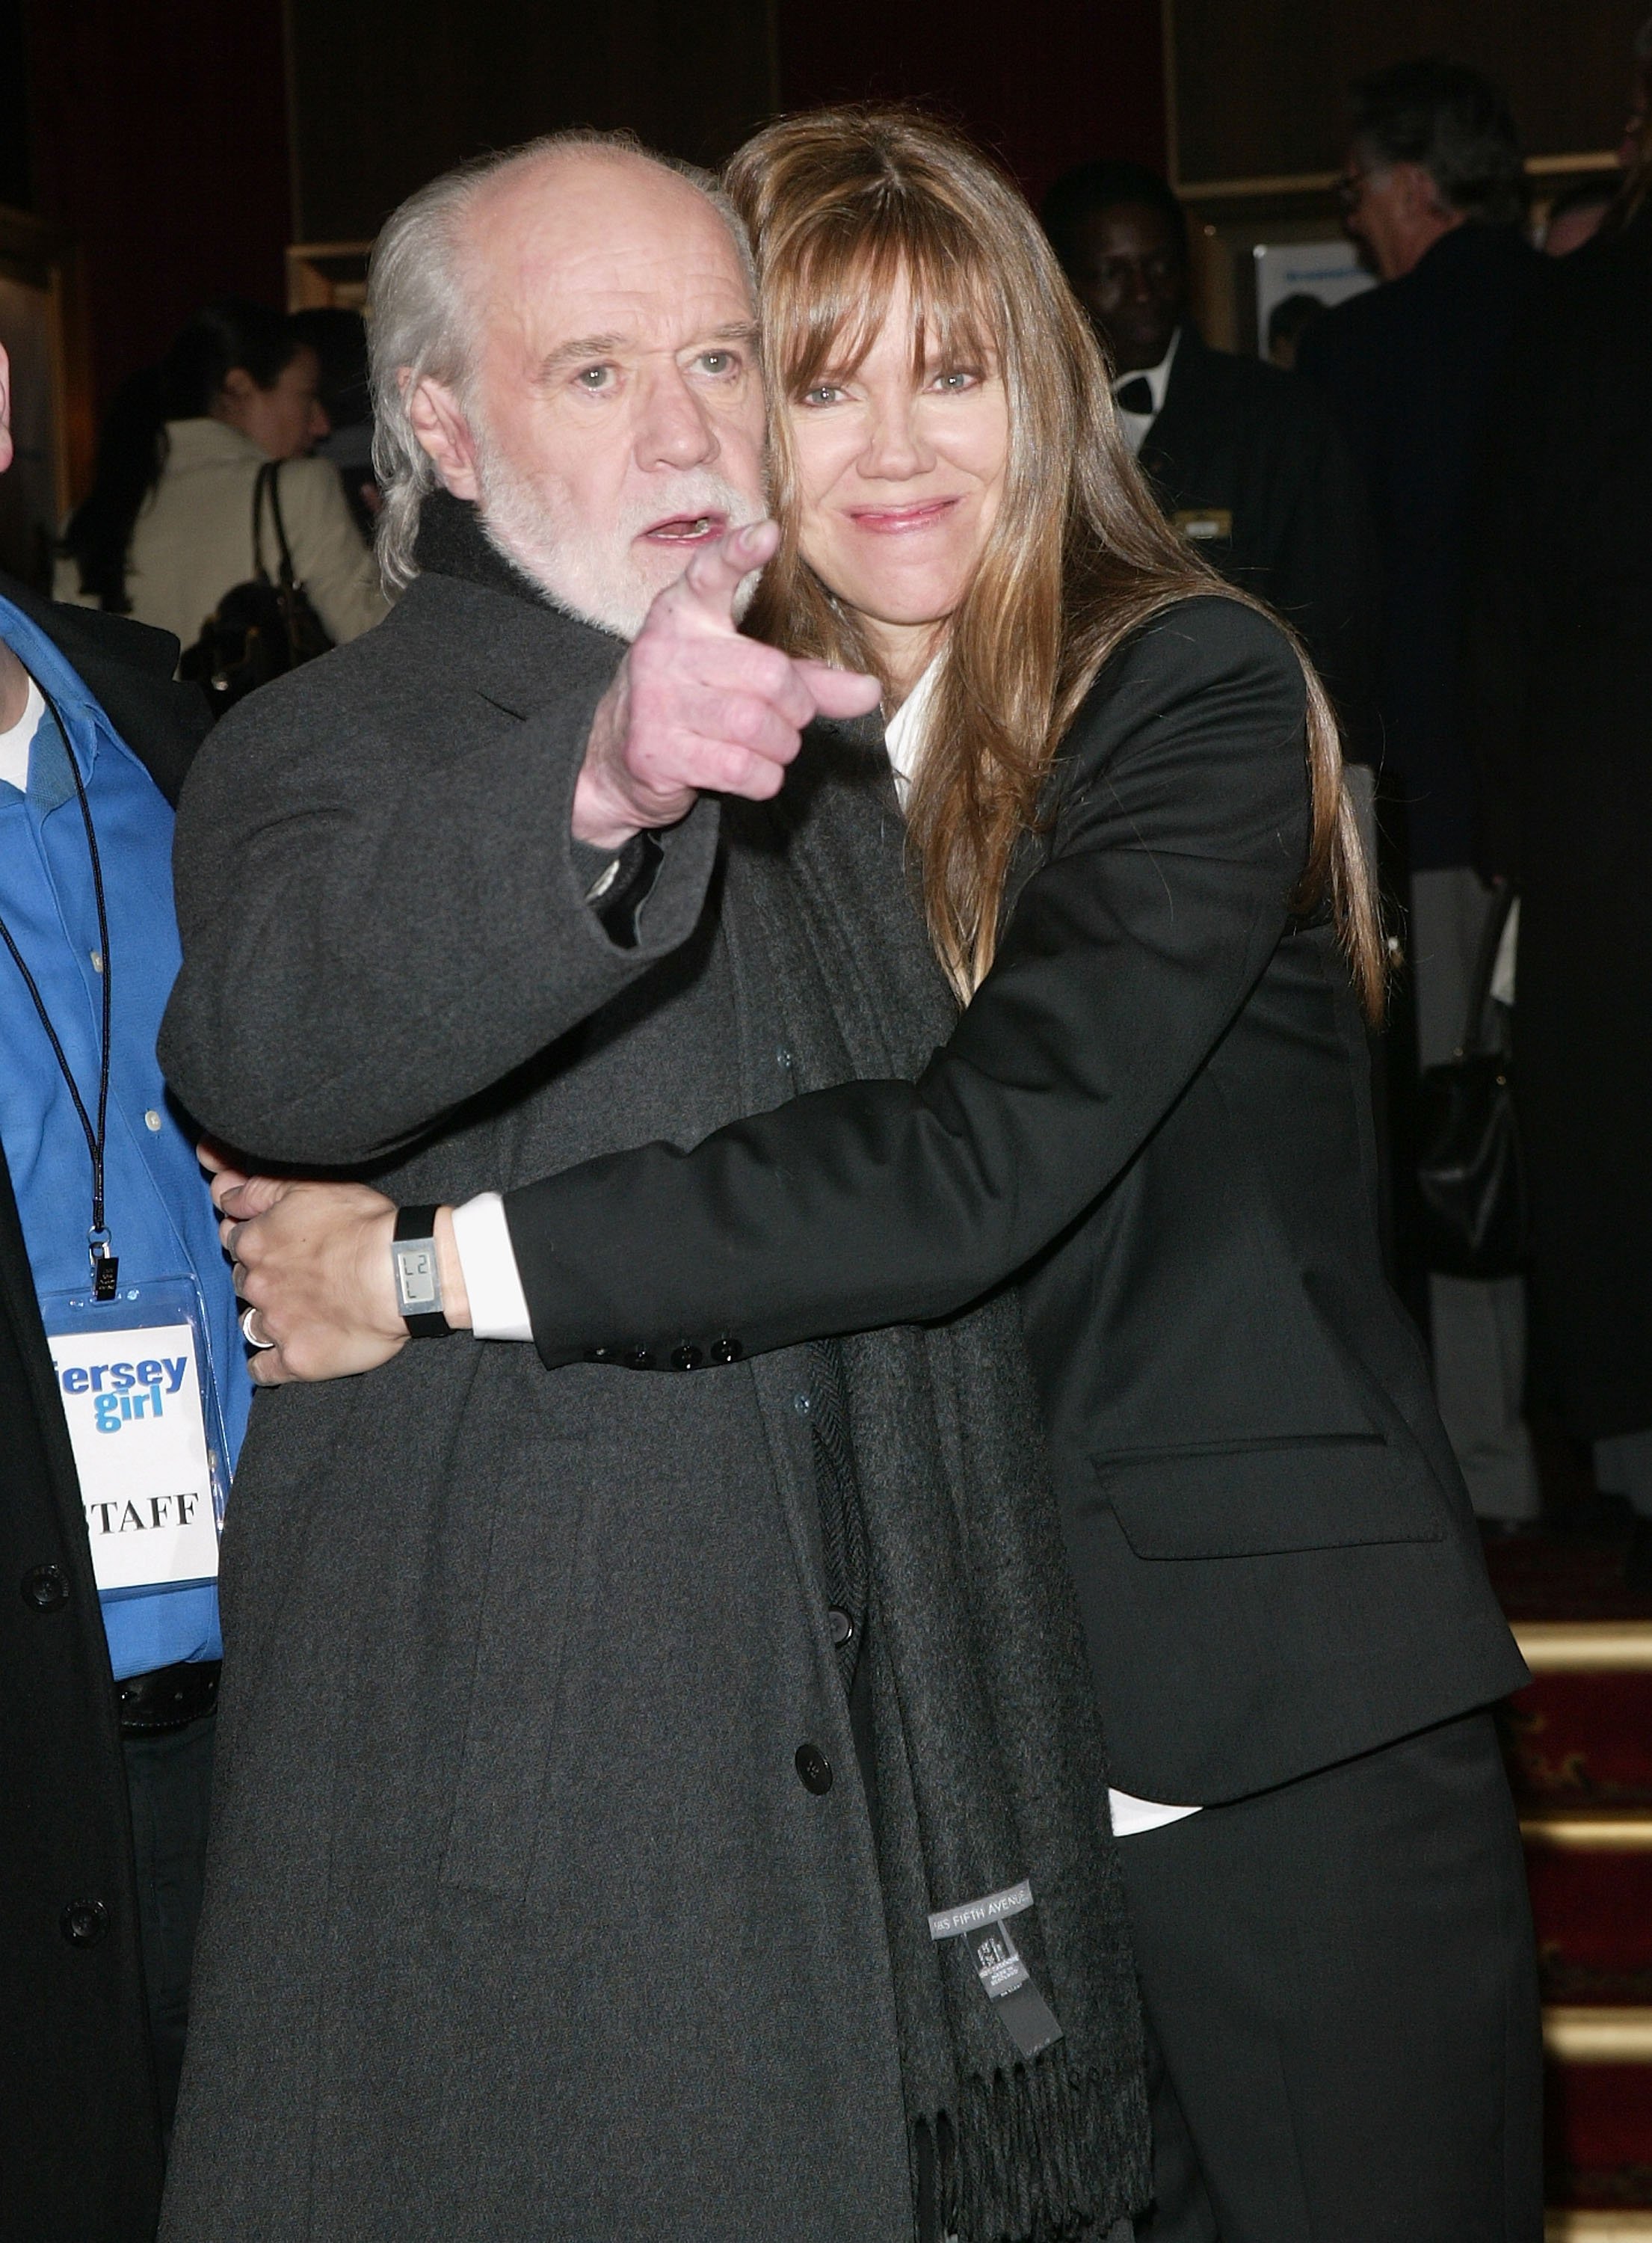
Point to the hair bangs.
(837, 296)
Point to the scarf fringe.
(1038, 2155)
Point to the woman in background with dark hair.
(167, 528)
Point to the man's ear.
(1423, 199)
(439, 422)
(6, 410)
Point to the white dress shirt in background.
(1136, 424)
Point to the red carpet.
(1597, 2135)
(1582, 1740)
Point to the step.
(1583, 2032)
(1585, 1647)
(1563, 2227)
(1589, 1830)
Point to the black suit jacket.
(1247, 462)
(83, 2155)
(1559, 676)
(1156, 1112)
(1409, 369)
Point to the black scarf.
(942, 1549)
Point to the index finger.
(707, 587)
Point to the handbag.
(259, 630)
(1471, 1172)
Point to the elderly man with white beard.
(569, 1875)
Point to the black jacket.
(1409, 369)
(1561, 697)
(1155, 1111)
(83, 2152)
(1247, 460)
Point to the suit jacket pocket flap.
(1265, 1499)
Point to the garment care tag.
(1007, 1983)
(132, 1394)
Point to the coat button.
(636, 1358)
(841, 1626)
(599, 1354)
(725, 1351)
(686, 1357)
(84, 1921)
(44, 1588)
(813, 1768)
(783, 1059)
(802, 1405)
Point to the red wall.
(158, 135)
(1048, 84)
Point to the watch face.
(418, 1288)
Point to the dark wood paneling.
(1261, 85)
(387, 93)
(158, 137)
(16, 187)
(1047, 83)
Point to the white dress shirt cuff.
(1130, 1817)
(487, 1262)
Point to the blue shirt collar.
(83, 715)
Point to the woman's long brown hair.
(843, 205)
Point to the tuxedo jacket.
(1154, 1115)
(1248, 462)
(75, 2071)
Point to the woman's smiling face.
(900, 473)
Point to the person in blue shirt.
(124, 1395)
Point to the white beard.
(594, 577)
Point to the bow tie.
(1135, 395)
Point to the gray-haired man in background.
(1435, 189)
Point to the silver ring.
(247, 1332)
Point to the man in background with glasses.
(1434, 192)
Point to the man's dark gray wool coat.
(521, 1921)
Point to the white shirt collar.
(903, 734)
(1136, 424)
(15, 743)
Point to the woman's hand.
(313, 1261)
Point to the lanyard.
(105, 1266)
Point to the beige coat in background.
(193, 539)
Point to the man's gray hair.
(422, 323)
(1453, 124)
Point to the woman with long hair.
(1127, 1071)
(167, 530)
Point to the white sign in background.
(132, 1398)
(1329, 270)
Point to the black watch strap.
(418, 1278)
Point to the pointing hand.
(694, 707)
